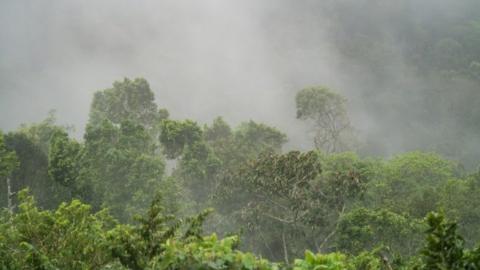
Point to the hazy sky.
(238, 59)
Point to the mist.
(284, 134)
(237, 59)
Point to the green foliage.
(127, 101)
(444, 248)
(8, 160)
(32, 171)
(333, 261)
(411, 183)
(198, 169)
(327, 111)
(314, 102)
(73, 237)
(272, 196)
(292, 201)
(209, 254)
(120, 164)
(41, 133)
(460, 201)
(246, 142)
(344, 178)
(252, 137)
(286, 175)
(207, 156)
(369, 261)
(62, 159)
(31, 145)
(218, 131)
(70, 237)
(425, 168)
(281, 203)
(363, 229)
(135, 246)
(175, 135)
(162, 241)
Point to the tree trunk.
(285, 251)
(9, 196)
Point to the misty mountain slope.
(407, 67)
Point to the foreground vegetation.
(72, 237)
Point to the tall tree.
(121, 164)
(31, 144)
(63, 160)
(121, 157)
(131, 100)
(8, 162)
(8, 159)
(326, 110)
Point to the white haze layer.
(241, 59)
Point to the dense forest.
(110, 200)
(141, 189)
